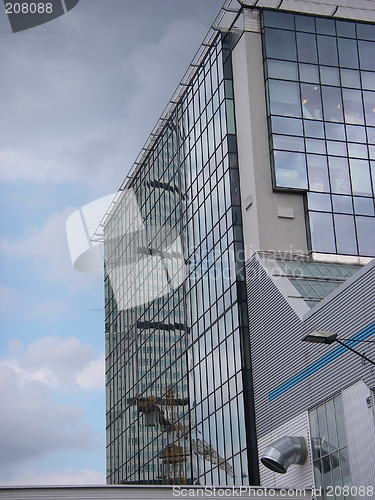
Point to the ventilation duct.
(284, 452)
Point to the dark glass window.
(366, 235)
(284, 98)
(305, 23)
(366, 55)
(311, 102)
(290, 169)
(307, 51)
(327, 49)
(322, 236)
(348, 53)
(281, 44)
(335, 98)
(345, 234)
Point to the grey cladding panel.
(278, 353)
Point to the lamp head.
(321, 337)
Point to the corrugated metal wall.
(298, 476)
(360, 430)
(278, 354)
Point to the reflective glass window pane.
(369, 99)
(327, 49)
(319, 202)
(329, 76)
(305, 23)
(288, 143)
(278, 19)
(325, 26)
(357, 150)
(356, 134)
(292, 126)
(336, 148)
(366, 31)
(311, 101)
(345, 28)
(353, 106)
(282, 69)
(370, 135)
(318, 173)
(339, 175)
(372, 152)
(342, 204)
(350, 78)
(290, 170)
(364, 206)
(313, 129)
(335, 131)
(366, 235)
(345, 234)
(309, 73)
(315, 146)
(366, 55)
(331, 422)
(360, 174)
(284, 98)
(306, 44)
(332, 104)
(348, 53)
(322, 236)
(368, 80)
(280, 44)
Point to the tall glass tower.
(267, 147)
(179, 390)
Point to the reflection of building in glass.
(246, 222)
(177, 336)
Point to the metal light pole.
(323, 337)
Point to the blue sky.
(79, 96)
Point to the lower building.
(324, 394)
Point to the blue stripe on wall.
(321, 363)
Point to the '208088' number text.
(25, 8)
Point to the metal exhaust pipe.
(283, 452)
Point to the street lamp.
(322, 337)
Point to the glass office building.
(178, 365)
(267, 148)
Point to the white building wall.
(360, 430)
(297, 476)
(271, 221)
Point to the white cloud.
(66, 363)
(31, 425)
(44, 250)
(67, 476)
(92, 377)
(93, 112)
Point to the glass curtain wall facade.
(330, 449)
(179, 388)
(320, 80)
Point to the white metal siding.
(360, 430)
(297, 476)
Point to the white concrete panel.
(263, 229)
